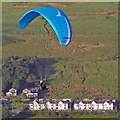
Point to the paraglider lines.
(46, 22)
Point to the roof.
(26, 90)
(12, 90)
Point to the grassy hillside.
(87, 67)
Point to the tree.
(31, 78)
(13, 71)
(16, 84)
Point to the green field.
(88, 66)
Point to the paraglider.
(55, 17)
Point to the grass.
(76, 114)
(82, 116)
(82, 24)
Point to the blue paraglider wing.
(56, 18)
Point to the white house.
(88, 105)
(108, 105)
(100, 105)
(66, 103)
(34, 106)
(55, 106)
(82, 105)
(49, 105)
(63, 105)
(94, 105)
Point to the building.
(100, 105)
(82, 106)
(34, 105)
(49, 105)
(57, 105)
(9, 94)
(13, 91)
(26, 91)
(94, 105)
(63, 105)
(31, 95)
(87, 105)
(108, 105)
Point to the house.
(31, 95)
(88, 105)
(94, 105)
(26, 91)
(42, 106)
(108, 105)
(55, 106)
(49, 105)
(69, 103)
(9, 94)
(42, 103)
(82, 106)
(63, 105)
(34, 106)
(100, 105)
(13, 91)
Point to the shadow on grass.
(42, 67)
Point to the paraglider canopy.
(56, 18)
